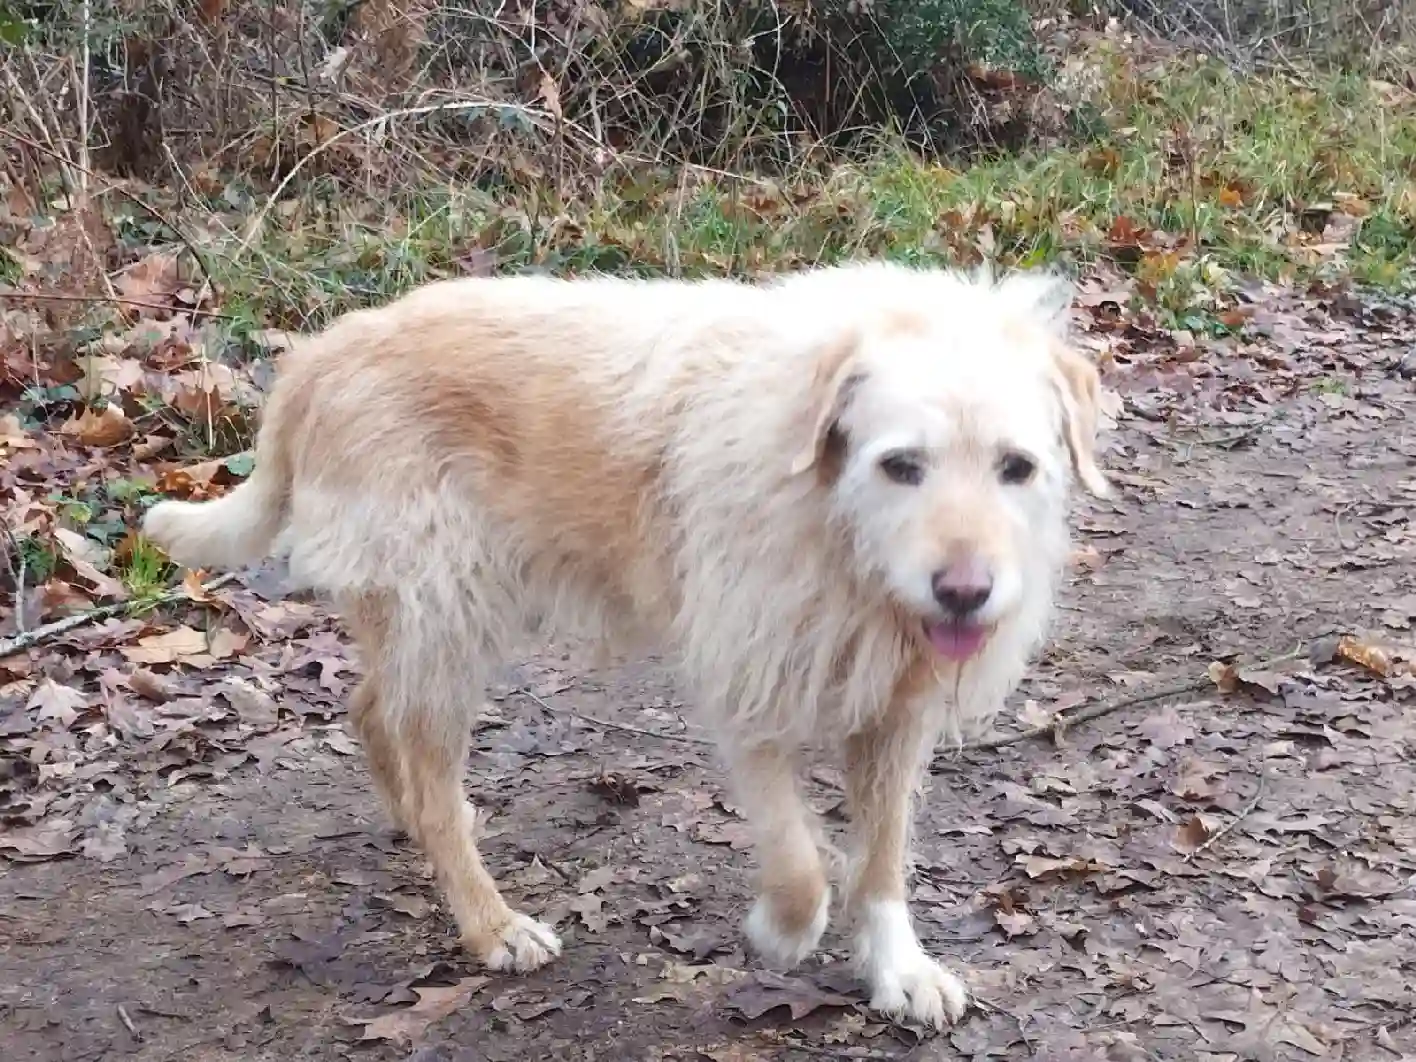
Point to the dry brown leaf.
(253, 705)
(52, 702)
(149, 684)
(56, 597)
(177, 645)
(1231, 679)
(1036, 866)
(86, 557)
(147, 286)
(765, 990)
(1191, 834)
(192, 588)
(1375, 658)
(192, 480)
(435, 1002)
(106, 844)
(590, 907)
(30, 844)
(550, 95)
(1015, 923)
(13, 435)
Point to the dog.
(838, 497)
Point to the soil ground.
(1228, 873)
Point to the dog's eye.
(903, 468)
(1016, 468)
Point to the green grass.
(143, 569)
(1221, 176)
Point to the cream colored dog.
(840, 498)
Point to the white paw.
(520, 946)
(782, 947)
(905, 983)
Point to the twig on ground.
(610, 724)
(1228, 828)
(1096, 711)
(127, 1021)
(17, 569)
(29, 639)
(1083, 715)
(836, 1052)
(1060, 723)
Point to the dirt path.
(254, 906)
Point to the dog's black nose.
(962, 589)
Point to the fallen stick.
(1228, 828)
(610, 724)
(29, 639)
(1095, 711)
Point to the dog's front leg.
(884, 764)
(793, 901)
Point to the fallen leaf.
(151, 685)
(101, 428)
(54, 703)
(412, 906)
(1036, 866)
(596, 880)
(435, 1002)
(86, 557)
(1191, 834)
(1380, 660)
(1231, 679)
(590, 907)
(150, 282)
(187, 913)
(183, 645)
(765, 991)
(106, 844)
(165, 878)
(1015, 923)
(252, 704)
(31, 844)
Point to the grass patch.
(143, 569)
(1196, 174)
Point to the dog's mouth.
(956, 640)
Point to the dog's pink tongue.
(955, 641)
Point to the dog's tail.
(242, 526)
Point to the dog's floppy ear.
(837, 375)
(1044, 298)
(1041, 297)
(1079, 386)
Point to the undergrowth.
(1195, 175)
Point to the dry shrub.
(259, 86)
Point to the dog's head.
(948, 426)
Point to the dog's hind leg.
(884, 765)
(369, 617)
(794, 900)
(418, 735)
(366, 714)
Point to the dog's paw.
(905, 982)
(780, 943)
(520, 946)
(919, 990)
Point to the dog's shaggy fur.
(839, 497)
